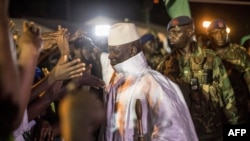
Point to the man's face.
(219, 37)
(178, 37)
(118, 54)
(151, 47)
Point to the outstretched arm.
(30, 45)
(9, 78)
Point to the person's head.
(217, 32)
(180, 31)
(80, 48)
(149, 44)
(123, 42)
(81, 114)
(202, 40)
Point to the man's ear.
(190, 31)
(133, 50)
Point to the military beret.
(180, 21)
(244, 39)
(217, 23)
(147, 37)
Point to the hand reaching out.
(62, 40)
(88, 79)
(45, 131)
(66, 70)
(31, 36)
(14, 32)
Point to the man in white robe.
(165, 116)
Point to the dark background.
(236, 15)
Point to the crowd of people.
(60, 86)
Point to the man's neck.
(187, 50)
(220, 49)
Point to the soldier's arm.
(242, 63)
(246, 63)
(227, 97)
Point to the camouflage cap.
(180, 21)
(217, 23)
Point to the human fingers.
(25, 26)
(95, 82)
(11, 25)
(71, 76)
(42, 134)
(59, 27)
(73, 63)
(45, 71)
(63, 59)
(50, 135)
(80, 67)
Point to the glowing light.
(102, 30)
(156, 1)
(228, 30)
(206, 24)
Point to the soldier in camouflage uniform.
(236, 61)
(202, 78)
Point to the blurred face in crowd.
(151, 47)
(219, 37)
(118, 54)
(178, 37)
(80, 49)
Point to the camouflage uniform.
(153, 60)
(207, 89)
(237, 64)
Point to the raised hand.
(14, 32)
(11, 26)
(66, 70)
(31, 36)
(88, 79)
(62, 40)
(45, 131)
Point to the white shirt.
(23, 127)
(165, 113)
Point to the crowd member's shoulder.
(161, 64)
(237, 48)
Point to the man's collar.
(133, 66)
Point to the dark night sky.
(82, 10)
